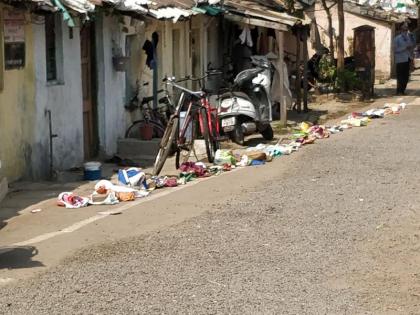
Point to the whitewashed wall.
(65, 102)
(111, 84)
(383, 37)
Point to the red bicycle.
(193, 113)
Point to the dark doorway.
(88, 91)
(364, 56)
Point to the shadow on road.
(390, 91)
(27, 194)
(311, 115)
(18, 257)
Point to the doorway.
(364, 56)
(88, 91)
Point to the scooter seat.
(234, 94)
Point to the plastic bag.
(223, 157)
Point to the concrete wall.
(383, 37)
(24, 149)
(64, 99)
(17, 113)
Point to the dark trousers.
(403, 74)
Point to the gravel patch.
(334, 234)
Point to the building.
(381, 16)
(66, 74)
(64, 69)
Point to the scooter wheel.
(268, 133)
(237, 135)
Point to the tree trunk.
(340, 46)
(330, 27)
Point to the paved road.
(333, 229)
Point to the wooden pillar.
(305, 69)
(298, 82)
(280, 67)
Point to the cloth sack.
(107, 198)
(257, 155)
(71, 201)
(131, 177)
(106, 185)
(126, 196)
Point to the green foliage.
(340, 80)
(327, 69)
(347, 80)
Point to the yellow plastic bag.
(304, 126)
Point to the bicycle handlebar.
(190, 78)
(171, 81)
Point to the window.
(53, 48)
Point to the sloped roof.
(268, 10)
(397, 7)
(161, 9)
(376, 12)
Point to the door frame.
(93, 93)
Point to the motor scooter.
(246, 109)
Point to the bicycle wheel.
(212, 145)
(134, 131)
(166, 144)
(184, 153)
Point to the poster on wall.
(14, 39)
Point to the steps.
(144, 152)
(140, 151)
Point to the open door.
(89, 104)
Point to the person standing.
(412, 51)
(403, 49)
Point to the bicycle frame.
(191, 114)
(198, 110)
(211, 111)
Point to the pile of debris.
(134, 183)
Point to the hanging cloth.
(246, 37)
(148, 49)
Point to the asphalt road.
(333, 229)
